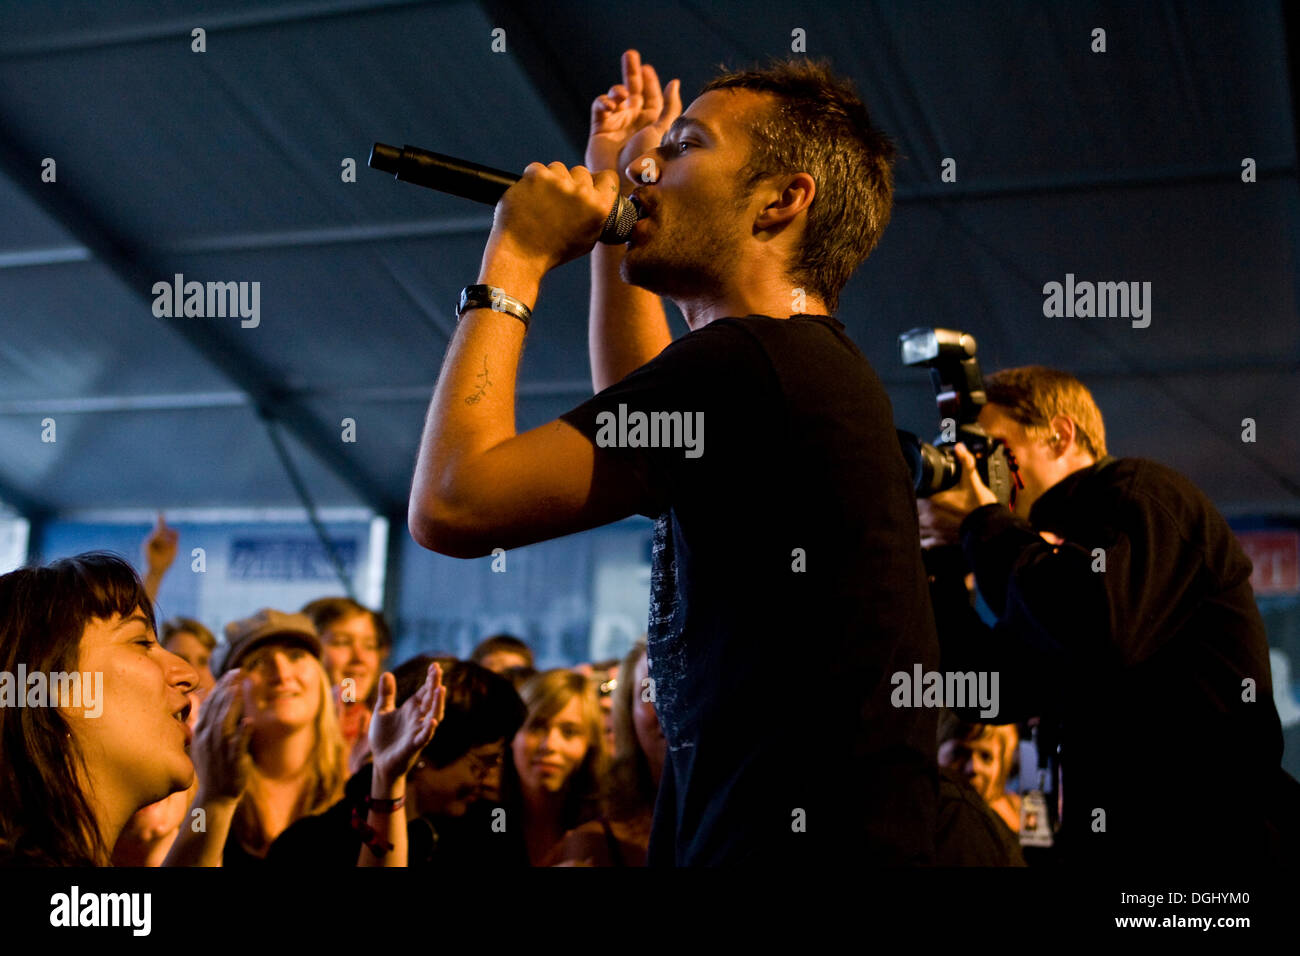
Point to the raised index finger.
(632, 72)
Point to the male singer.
(787, 583)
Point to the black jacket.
(1141, 638)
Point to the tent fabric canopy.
(228, 166)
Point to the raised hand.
(398, 734)
(631, 118)
(160, 547)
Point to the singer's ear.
(788, 196)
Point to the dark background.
(225, 166)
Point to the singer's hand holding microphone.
(625, 123)
(553, 215)
(460, 177)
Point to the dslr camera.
(959, 393)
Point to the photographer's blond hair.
(1033, 395)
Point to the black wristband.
(490, 297)
(385, 806)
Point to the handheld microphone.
(459, 177)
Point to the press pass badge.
(1035, 823)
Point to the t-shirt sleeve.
(651, 427)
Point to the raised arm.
(627, 325)
(478, 485)
(159, 553)
(397, 735)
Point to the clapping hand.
(220, 749)
(398, 734)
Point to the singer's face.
(698, 217)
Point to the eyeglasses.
(485, 766)
(482, 767)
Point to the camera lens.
(933, 469)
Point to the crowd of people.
(287, 742)
(1118, 618)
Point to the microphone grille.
(621, 219)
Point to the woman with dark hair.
(554, 773)
(150, 833)
(82, 754)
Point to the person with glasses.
(457, 770)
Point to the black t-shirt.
(328, 839)
(786, 587)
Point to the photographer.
(1126, 618)
(793, 523)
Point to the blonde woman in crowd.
(268, 749)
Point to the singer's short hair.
(817, 124)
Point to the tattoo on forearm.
(483, 383)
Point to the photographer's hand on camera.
(941, 515)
